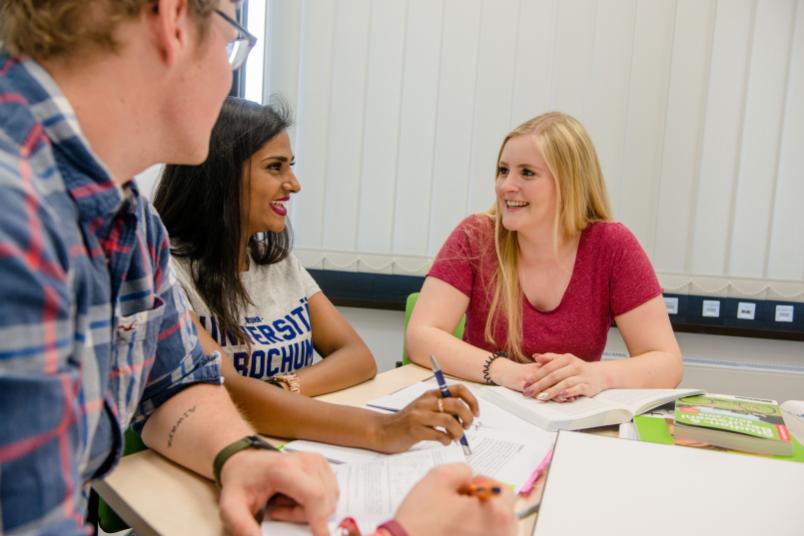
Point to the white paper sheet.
(372, 484)
(635, 487)
(371, 492)
(402, 397)
(491, 415)
(508, 455)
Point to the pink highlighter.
(527, 487)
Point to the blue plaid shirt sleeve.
(180, 361)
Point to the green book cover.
(659, 429)
(653, 430)
(750, 416)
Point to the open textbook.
(613, 406)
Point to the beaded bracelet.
(487, 366)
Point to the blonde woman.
(541, 276)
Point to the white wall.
(718, 364)
(694, 106)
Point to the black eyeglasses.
(238, 48)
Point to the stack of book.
(720, 422)
(733, 422)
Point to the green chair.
(108, 519)
(409, 305)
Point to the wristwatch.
(289, 382)
(248, 442)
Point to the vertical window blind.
(695, 107)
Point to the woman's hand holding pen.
(564, 377)
(442, 503)
(420, 420)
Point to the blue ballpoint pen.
(442, 386)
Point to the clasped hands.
(555, 377)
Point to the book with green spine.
(733, 422)
(659, 429)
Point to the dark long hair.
(200, 206)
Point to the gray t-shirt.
(277, 324)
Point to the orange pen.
(482, 492)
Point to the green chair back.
(108, 519)
(409, 305)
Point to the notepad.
(613, 406)
(605, 485)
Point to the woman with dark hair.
(254, 302)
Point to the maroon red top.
(612, 275)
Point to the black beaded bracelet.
(487, 367)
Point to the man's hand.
(437, 506)
(251, 477)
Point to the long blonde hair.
(581, 199)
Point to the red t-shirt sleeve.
(633, 280)
(459, 258)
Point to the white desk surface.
(156, 496)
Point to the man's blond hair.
(45, 29)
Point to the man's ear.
(170, 26)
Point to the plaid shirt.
(94, 329)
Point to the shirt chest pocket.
(136, 338)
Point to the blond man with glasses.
(96, 331)
(95, 334)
